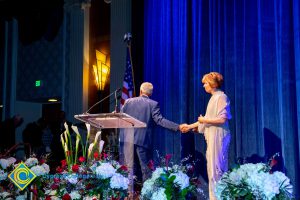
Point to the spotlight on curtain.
(101, 70)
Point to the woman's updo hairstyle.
(214, 79)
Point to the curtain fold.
(256, 46)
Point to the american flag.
(128, 85)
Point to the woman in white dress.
(214, 125)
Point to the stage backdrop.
(255, 44)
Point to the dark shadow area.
(254, 158)
(201, 169)
(187, 144)
(272, 146)
(273, 153)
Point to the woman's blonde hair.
(214, 79)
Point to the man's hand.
(195, 130)
(184, 128)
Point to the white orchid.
(101, 144)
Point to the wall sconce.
(101, 70)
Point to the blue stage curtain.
(255, 44)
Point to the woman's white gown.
(217, 139)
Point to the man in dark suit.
(137, 146)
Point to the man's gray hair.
(147, 88)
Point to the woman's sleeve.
(223, 107)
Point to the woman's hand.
(201, 119)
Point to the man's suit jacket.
(146, 110)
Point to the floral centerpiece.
(105, 178)
(92, 175)
(254, 181)
(9, 190)
(86, 173)
(169, 181)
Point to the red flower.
(66, 197)
(54, 186)
(75, 168)
(273, 163)
(56, 180)
(88, 186)
(168, 157)
(48, 198)
(96, 155)
(63, 163)
(42, 161)
(81, 159)
(124, 168)
(151, 165)
(190, 168)
(195, 181)
(59, 169)
(105, 155)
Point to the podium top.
(111, 120)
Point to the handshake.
(198, 126)
(184, 128)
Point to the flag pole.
(127, 39)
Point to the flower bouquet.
(254, 181)
(9, 190)
(93, 175)
(169, 181)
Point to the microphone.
(116, 100)
(127, 38)
(114, 92)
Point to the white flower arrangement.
(72, 178)
(4, 163)
(181, 179)
(90, 198)
(8, 189)
(159, 194)
(3, 175)
(31, 162)
(154, 188)
(4, 195)
(46, 168)
(75, 195)
(55, 198)
(21, 197)
(92, 175)
(105, 170)
(254, 181)
(156, 174)
(119, 181)
(36, 168)
(39, 170)
(168, 182)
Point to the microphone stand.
(116, 102)
(114, 92)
